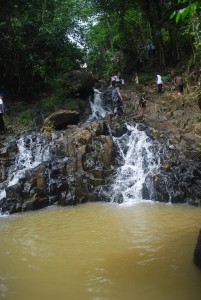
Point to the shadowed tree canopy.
(35, 43)
(127, 28)
(43, 40)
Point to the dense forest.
(41, 41)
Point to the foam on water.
(32, 151)
(138, 158)
(99, 108)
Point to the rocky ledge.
(82, 156)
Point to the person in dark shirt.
(142, 103)
(117, 100)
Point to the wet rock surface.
(79, 159)
(82, 156)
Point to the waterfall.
(99, 107)
(32, 151)
(137, 157)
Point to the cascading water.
(138, 157)
(99, 107)
(32, 151)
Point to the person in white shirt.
(2, 126)
(113, 78)
(159, 82)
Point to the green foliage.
(145, 77)
(55, 102)
(48, 104)
(70, 104)
(25, 119)
(115, 37)
(39, 40)
(189, 14)
(198, 201)
(187, 11)
(36, 44)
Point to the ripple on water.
(101, 250)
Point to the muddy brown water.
(101, 251)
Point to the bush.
(25, 118)
(48, 104)
(53, 103)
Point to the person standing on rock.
(159, 82)
(142, 103)
(2, 125)
(117, 100)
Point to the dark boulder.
(197, 252)
(62, 118)
(79, 83)
(199, 101)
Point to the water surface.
(101, 251)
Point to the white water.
(32, 151)
(135, 154)
(98, 108)
(137, 157)
(137, 160)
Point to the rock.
(83, 157)
(197, 252)
(78, 83)
(62, 118)
(80, 158)
(38, 201)
(178, 114)
(197, 130)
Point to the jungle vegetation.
(42, 40)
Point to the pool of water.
(101, 251)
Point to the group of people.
(117, 99)
(177, 82)
(178, 85)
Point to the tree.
(35, 43)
